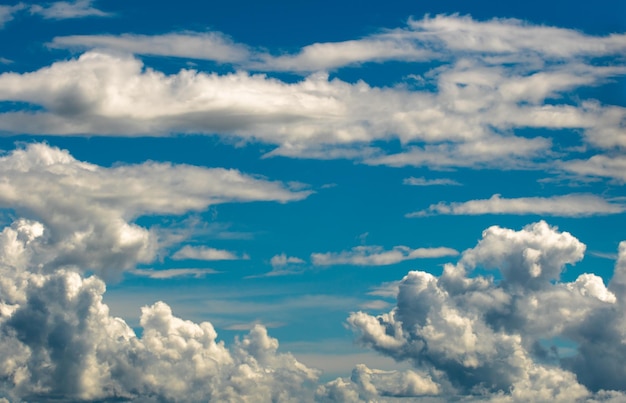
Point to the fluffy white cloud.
(205, 253)
(497, 339)
(57, 339)
(377, 256)
(88, 210)
(367, 384)
(574, 205)
(61, 10)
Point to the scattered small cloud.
(62, 10)
(412, 181)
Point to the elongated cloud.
(377, 256)
(88, 210)
(421, 40)
(599, 165)
(412, 181)
(576, 205)
(193, 45)
(490, 83)
(61, 10)
(173, 273)
(466, 329)
(205, 253)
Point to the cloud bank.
(502, 337)
(496, 78)
(485, 338)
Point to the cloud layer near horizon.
(469, 335)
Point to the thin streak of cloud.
(377, 256)
(573, 205)
(412, 181)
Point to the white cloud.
(487, 87)
(209, 45)
(283, 265)
(599, 165)
(165, 274)
(377, 256)
(420, 41)
(88, 210)
(573, 205)
(413, 181)
(465, 334)
(367, 384)
(486, 339)
(205, 253)
(61, 10)
(282, 260)
(7, 13)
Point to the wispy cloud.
(61, 10)
(7, 13)
(206, 253)
(172, 273)
(412, 181)
(573, 205)
(377, 256)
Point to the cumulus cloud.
(490, 83)
(496, 338)
(574, 205)
(377, 256)
(493, 338)
(59, 340)
(88, 210)
(61, 10)
(205, 253)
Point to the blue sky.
(416, 201)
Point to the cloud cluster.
(507, 337)
(496, 76)
(88, 210)
(500, 338)
(57, 340)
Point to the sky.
(313, 201)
